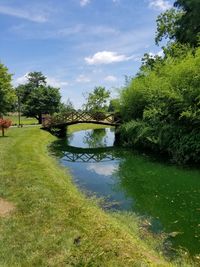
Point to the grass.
(24, 120)
(55, 224)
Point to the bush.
(162, 109)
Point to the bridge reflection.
(85, 155)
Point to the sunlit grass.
(24, 120)
(54, 224)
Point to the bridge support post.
(117, 136)
(60, 131)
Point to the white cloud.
(24, 14)
(84, 2)
(106, 57)
(110, 78)
(50, 81)
(105, 170)
(160, 54)
(161, 5)
(83, 79)
(86, 30)
(56, 82)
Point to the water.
(167, 194)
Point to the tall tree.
(37, 97)
(7, 94)
(181, 23)
(36, 78)
(188, 30)
(97, 100)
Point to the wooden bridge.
(58, 123)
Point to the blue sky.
(78, 44)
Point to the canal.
(166, 194)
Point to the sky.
(78, 44)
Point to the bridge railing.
(58, 119)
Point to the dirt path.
(5, 208)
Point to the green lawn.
(24, 120)
(54, 224)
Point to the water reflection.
(96, 138)
(168, 194)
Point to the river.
(167, 194)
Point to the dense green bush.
(161, 108)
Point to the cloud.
(50, 81)
(161, 5)
(106, 57)
(160, 54)
(56, 82)
(85, 30)
(21, 80)
(83, 79)
(102, 169)
(84, 2)
(23, 14)
(110, 78)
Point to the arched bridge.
(58, 123)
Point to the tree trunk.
(40, 119)
(3, 131)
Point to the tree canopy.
(7, 94)
(181, 23)
(37, 97)
(96, 101)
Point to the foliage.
(162, 108)
(66, 107)
(181, 23)
(114, 105)
(167, 25)
(189, 23)
(96, 101)
(7, 95)
(37, 97)
(4, 124)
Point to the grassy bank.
(53, 223)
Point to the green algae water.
(168, 195)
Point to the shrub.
(4, 124)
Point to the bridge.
(57, 124)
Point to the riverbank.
(51, 223)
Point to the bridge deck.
(79, 117)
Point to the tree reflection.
(167, 193)
(96, 138)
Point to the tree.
(181, 24)
(36, 78)
(7, 94)
(66, 107)
(37, 97)
(188, 30)
(114, 105)
(167, 25)
(97, 100)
